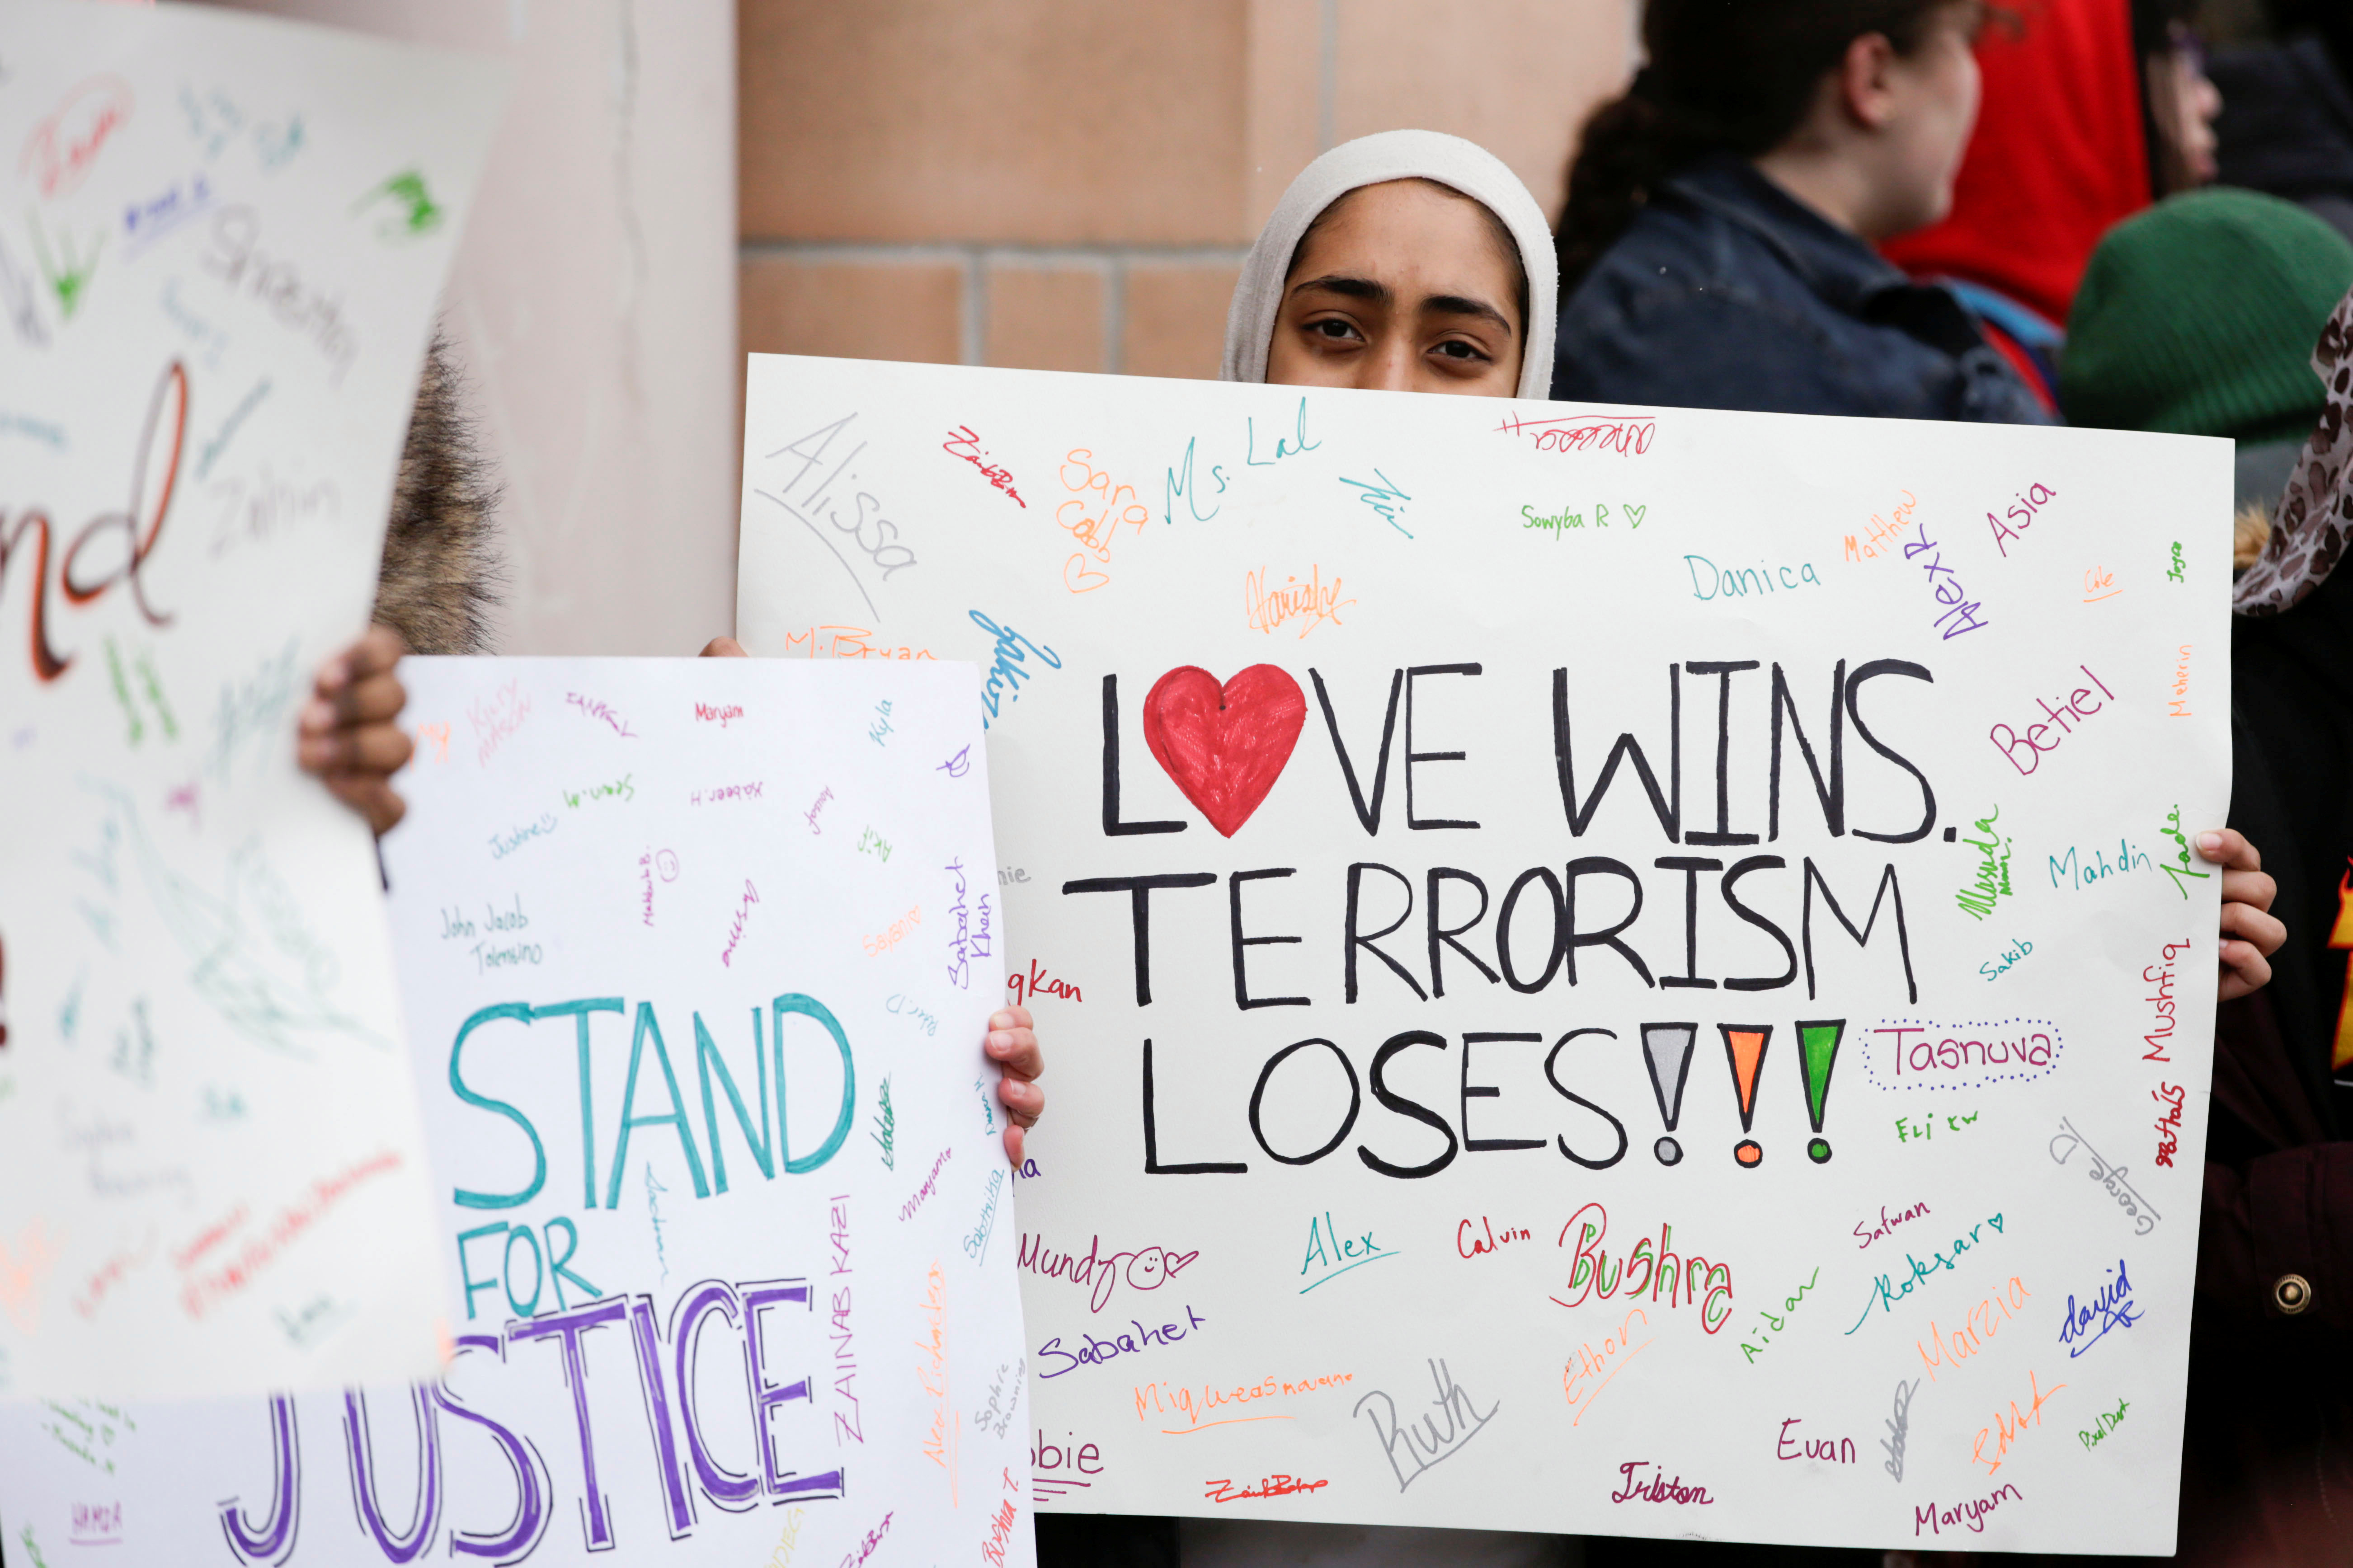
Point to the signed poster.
(220, 247)
(1608, 970)
(696, 957)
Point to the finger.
(1013, 1145)
(1024, 1102)
(1016, 1050)
(1013, 1041)
(372, 700)
(372, 797)
(367, 701)
(723, 648)
(373, 654)
(2266, 933)
(380, 749)
(2227, 848)
(2244, 972)
(2252, 888)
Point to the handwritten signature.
(2088, 1324)
(1899, 1426)
(964, 443)
(1412, 1449)
(1311, 600)
(1223, 1491)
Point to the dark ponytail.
(1730, 76)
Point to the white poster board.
(221, 238)
(1831, 779)
(697, 957)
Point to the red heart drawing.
(1224, 746)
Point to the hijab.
(1450, 161)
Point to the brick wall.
(1070, 185)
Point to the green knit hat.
(2200, 315)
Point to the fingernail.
(1000, 1045)
(318, 716)
(1002, 1021)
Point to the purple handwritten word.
(764, 1313)
(971, 938)
(593, 709)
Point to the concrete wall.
(593, 304)
(1070, 185)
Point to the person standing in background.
(1716, 249)
(2197, 317)
(2092, 110)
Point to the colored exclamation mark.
(1817, 1045)
(1668, 1049)
(1744, 1047)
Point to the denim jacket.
(1727, 292)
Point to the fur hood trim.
(441, 573)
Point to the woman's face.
(1936, 88)
(2184, 102)
(1402, 287)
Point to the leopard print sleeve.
(2315, 513)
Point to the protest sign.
(697, 957)
(1619, 971)
(222, 243)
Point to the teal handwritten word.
(1182, 484)
(1385, 498)
(1740, 582)
(769, 1149)
(2008, 960)
(1283, 447)
(886, 1123)
(1336, 1254)
(2081, 874)
(1010, 666)
(1885, 1294)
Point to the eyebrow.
(1379, 293)
(1456, 305)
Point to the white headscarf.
(1451, 161)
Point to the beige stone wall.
(1070, 185)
